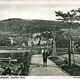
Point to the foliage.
(46, 34)
(19, 26)
(69, 16)
(4, 41)
(61, 41)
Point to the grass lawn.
(74, 70)
(76, 57)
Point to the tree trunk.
(69, 53)
(54, 48)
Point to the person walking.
(45, 55)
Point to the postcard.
(39, 39)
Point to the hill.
(21, 26)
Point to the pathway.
(37, 69)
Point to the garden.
(74, 70)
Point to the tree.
(68, 17)
(46, 34)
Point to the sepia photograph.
(40, 39)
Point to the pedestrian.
(45, 55)
(65, 62)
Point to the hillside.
(19, 26)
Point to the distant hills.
(21, 26)
(17, 27)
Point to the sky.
(34, 11)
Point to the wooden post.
(23, 55)
(69, 53)
(53, 44)
(11, 55)
(55, 48)
(47, 43)
(73, 52)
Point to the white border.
(40, 2)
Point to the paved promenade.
(37, 69)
